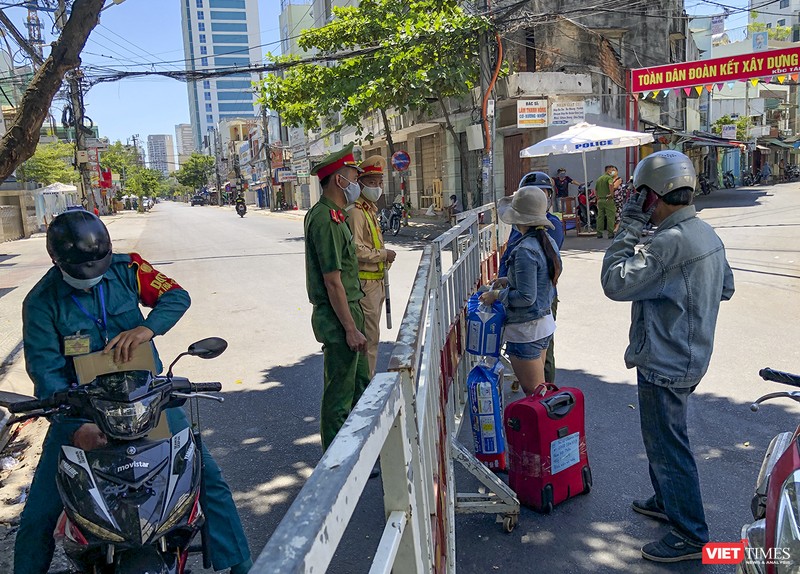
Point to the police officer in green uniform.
(89, 301)
(335, 291)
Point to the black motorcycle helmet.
(540, 179)
(79, 244)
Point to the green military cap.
(334, 161)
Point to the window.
(228, 15)
(201, 26)
(200, 16)
(784, 4)
(209, 108)
(203, 50)
(206, 84)
(224, 27)
(199, 3)
(229, 38)
(210, 119)
(782, 22)
(207, 96)
(202, 38)
(204, 61)
(230, 4)
(769, 26)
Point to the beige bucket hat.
(528, 206)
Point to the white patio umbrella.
(585, 137)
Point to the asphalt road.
(246, 279)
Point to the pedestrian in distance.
(453, 209)
(373, 257)
(335, 292)
(527, 292)
(675, 283)
(782, 170)
(766, 172)
(562, 182)
(545, 183)
(605, 187)
(87, 302)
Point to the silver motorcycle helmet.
(665, 171)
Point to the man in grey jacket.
(676, 282)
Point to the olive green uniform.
(329, 248)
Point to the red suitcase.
(546, 442)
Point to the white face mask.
(80, 283)
(371, 193)
(352, 191)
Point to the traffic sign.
(401, 160)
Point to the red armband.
(150, 283)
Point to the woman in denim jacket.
(527, 293)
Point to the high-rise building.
(161, 153)
(295, 16)
(185, 141)
(220, 34)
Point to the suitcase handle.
(542, 389)
(559, 406)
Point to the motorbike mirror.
(209, 348)
(8, 398)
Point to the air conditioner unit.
(475, 137)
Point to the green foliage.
(774, 33)
(143, 182)
(741, 126)
(50, 164)
(195, 171)
(408, 56)
(119, 158)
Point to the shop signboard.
(531, 114)
(567, 113)
(729, 131)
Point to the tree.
(119, 158)
(196, 171)
(50, 164)
(741, 126)
(19, 142)
(417, 55)
(774, 33)
(144, 182)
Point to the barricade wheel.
(510, 522)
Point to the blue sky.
(142, 31)
(150, 31)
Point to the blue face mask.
(80, 283)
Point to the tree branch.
(19, 143)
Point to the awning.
(763, 148)
(698, 141)
(779, 143)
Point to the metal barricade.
(410, 416)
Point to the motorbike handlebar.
(24, 406)
(779, 377)
(206, 387)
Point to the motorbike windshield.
(123, 386)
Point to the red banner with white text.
(744, 67)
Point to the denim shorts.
(528, 351)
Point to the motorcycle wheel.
(395, 225)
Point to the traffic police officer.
(373, 257)
(89, 301)
(334, 291)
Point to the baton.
(388, 300)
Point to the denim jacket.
(530, 292)
(676, 282)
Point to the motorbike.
(136, 504)
(748, 178)
(771, 544)
(728, 180)
(582, 204)
(793, 172)
(705, 184)
(389, 218)
(241, 208)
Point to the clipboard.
(143, 358)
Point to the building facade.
(161, 153)
(185, 142)
(220, 34)
(780, 13)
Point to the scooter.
(389, 218)
(729, 180)
(748, 178)
(704, 184)
(136, 504)
(241, 208)
(582, 204)
(773, 540)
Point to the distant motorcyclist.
(89, 301)
(240, 205)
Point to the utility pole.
(81, 155)
(487, 160)
(139, 158)
(214, 134)
(269, 201)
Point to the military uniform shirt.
(329, 248)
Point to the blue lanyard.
(102, 324)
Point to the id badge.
(77, 345)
